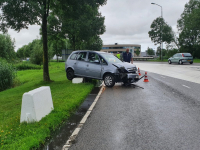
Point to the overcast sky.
(127, 21)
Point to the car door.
(80, 64)
(174, 58)
(178, 56)
(93, 68)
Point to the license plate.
(188, 60)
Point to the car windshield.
(111, 58)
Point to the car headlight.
(137, 77)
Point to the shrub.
(26, 66)
(7, 75)
(37, 54)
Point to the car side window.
(73, 56)
(93, 58)
(82, 56)
(103, 61)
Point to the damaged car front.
(118, 71)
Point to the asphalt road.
(165, 115)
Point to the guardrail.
(142, 58)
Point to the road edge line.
(73, 136)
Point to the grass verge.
(66, 99)
(196, 60)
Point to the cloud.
(127, 21)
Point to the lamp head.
(152, 3)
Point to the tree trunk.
(74, 43)
(46, 76)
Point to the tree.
(94, 43)
(7, 47)
(57, 47)
(137, 52)
(23, 14)
(150, 51)
(188, 26)
(20, 52)
(36, 56)
(83, 23)
(55, 35)
(160, 32)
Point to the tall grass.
(26, 66)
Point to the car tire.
(109, 80)
(191, 62)
(180, 62)
(70, 74)
(169, 61)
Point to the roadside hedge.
(7, 75)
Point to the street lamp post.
(161, 43)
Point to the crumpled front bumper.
(127, 77)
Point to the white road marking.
(184, 72)
(162, 76)
(186, 86)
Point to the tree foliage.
(150, 51)
(81, 22)
(137, 52)
(7, 47)
(19, 14)
(188, 26)
(160, 31)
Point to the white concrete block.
(77, 80)
(36, 104)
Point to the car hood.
(124, 64)
(129, 67)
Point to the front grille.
(134, 69)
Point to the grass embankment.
(66, 98)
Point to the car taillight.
(183, 55)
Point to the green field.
(66, 99)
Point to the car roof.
(183, 53)
(89, 51)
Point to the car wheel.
(109, 80)
(191, 62)
(169, 61)
(70, 74)
(180, 62)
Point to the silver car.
(181, 58)
(100, 65)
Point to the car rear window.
(73, 57)
(187, 55)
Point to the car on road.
(100, 65)
(181, 58)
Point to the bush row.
(7, 75)
(26, 66)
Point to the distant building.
(66, 53)
(122, 48)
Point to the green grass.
(158, 60)
(66, 99)
(196, 60)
